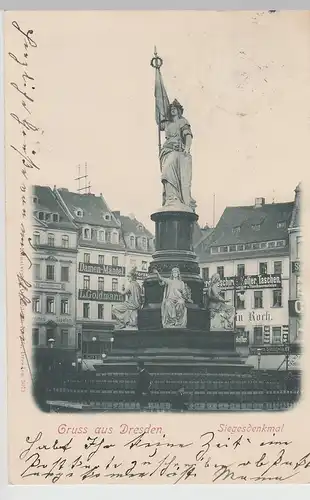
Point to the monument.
(175, 219)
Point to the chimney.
(116, 213)
(132, 216)
(259, 202)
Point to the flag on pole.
(161, 98)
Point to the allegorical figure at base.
(126, 313)
(221, 313)
(176, 294)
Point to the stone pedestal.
(174, 248)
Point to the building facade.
(106, 251)
(295, 292)
(54, 242)
(249, 249)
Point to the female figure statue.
(126, 313)
(221, 314)
(176, 293)
(175, 158)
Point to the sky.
(242, 77)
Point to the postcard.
(156, 193)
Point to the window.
(50, 272)
(86, 310)
(50, 305)
(35, 199)
(36, 303)
(298, 246)
(214, 249)
(114, 284)
(240, 270)
(271, 244)
(144, 243)
(107, 217)
(224, 249)
(93, 233)
(263, 268)
(132, 242)
(64, 273)
(281, 225)
(65, 241)
(51, 240)
(280, 243)
(255, 227)
(64, 336)
(48, 217)
(240, 300)
(144, 265)
(258, 299)
(35, 336)
(240, 248)
(41, 215)
(86, 233)
(79, 212)
(100, 283)
(55, 218)
(258, 335)
(248, 246)
(256, 246)
(64, 306)
(100, 311)
(36, 271)
(108, 236)
(140, 227)
(263, 245)
(114, 237)
(205, 273)
(276, 335)
(236, 230)
(36, 239)
(277, 267)
(114, 261)
(232, 248)
(86, 282)
(101, 260)
(220, 271)
(277, 298)
(86, 258)
(101, 236)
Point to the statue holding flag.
(175, 154)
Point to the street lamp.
(94, 339)
(103, 356)
(111, 340)
(259, 355)
(79, 366)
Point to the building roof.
(93, 208)
(248, 224)
(47, 202)
(132, 225)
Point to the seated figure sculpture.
(176, 294)
(126, 313)
(221, 314)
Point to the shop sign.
(268, 349)
(295, 308)
(100, 295)
(259, 281)
(242, 338)
(101, 269)
(296, 267)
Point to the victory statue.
(175, 154)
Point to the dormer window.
(132, 242)
(255, 227)
(236, 230)
(51, 240)
(144, 243)
(115, 237)
(55, 218)
(101, 236)
(41, 215)
(107, 217)
(79, 212)
(48, 217)
(281, 224)
(35, 199)
(140, 227)
(86, 233)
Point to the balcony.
(48, 285)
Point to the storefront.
(95, 342)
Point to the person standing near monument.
(143, 385)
